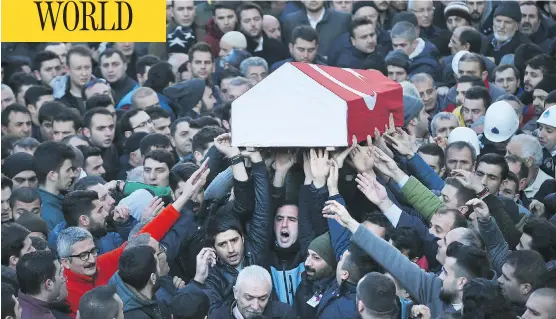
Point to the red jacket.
(107, 264)
(213, 37)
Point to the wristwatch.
(236, 159)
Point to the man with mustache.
(481, 15)
(506, 36)
(250, 17)
(534, 24)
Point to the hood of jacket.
(131, 298)
(213, 30)
(186, 94)
(424, 49)
(60, 85)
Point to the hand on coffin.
(362, 158)
(338, 212)
(340, 156)
(307, 168)
(401, 142)
(332, 181)
(387, 166)
(254, 156)
(320, 167)
(380, 143)
(283, 161)
(373, 190)
(223, 144)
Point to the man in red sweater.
(85, 269)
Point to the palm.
(374, 191)
(320, 166)
(284, 161)
(362, 159)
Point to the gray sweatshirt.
(424, 287)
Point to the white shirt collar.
(532, 190)
(314, 23)
(260, 45)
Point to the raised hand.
(386, 165)
(380, 143)
(178, 282)
(362, 158)
(254, 156)
(320, 167)
(153, 208)
(205, 259)
(468, 180)
(401, 142)
(307, 168)
(537, 208)
(283, 161)
(223, 144)
(340, 156)
(480, 209)
(373, 190)
(196, 182)
(121, 214)
(338, 212)
(332, 181)
(441, 141)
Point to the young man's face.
(509, 189)
(156, 173)
(404, 45)
(364, 38)
(454, 21)
(19, 124)
(113, 68)
(25, 179)
(433, 161)
(539, 307)
(225, 19)
(507, 80)
(6, 209)
(49, 70)
(304, 51)
(162, 125)
(490, 175)
(229, 247)
(397, 74)
(251, 23)
(461, 89)
(22, 207)
(547, 137)
(62, 129)
(286, 226)
(141, 122)
(510, 285)
(472, 110)
(102, 130)
(538, 100)
(93, 166)
(441, 224)
(80, 70)
(181, 139)
(316, 267)
(202, 65)
(183, 12)
(531, 78)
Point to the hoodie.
(186, 95)
(136, 305)
(51, 208)
(424, 59)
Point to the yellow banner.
(83, 21)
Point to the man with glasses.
(41, 282)
(136, 120)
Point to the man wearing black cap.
(19, 168)
(397, 64)
(376, 297)
(506, 36)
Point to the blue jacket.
(135, 306)
(426, 62)
(107, 243)
(51, 208)
(125, 102)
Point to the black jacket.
(509, 48)
(273, 310)
(122, 87)
(222, 277)
(305, 291)
(273, 50)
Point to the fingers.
(353, 141)
(313, 154)
(370, 140)
(391, 121)
(474, 202)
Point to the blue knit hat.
(411, 108)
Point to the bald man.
(541, 304)
(271, 27)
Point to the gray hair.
(411, 4)
(530, 148)
(253, 274)
(421, 77)
(511, 98)
(68, 237)
(138, 240)
(404, 30)
(240, 81)
(442, 116)
(252, 61)
(410, 89)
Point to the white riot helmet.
(465, 134)
(548, 117)
(501, 122)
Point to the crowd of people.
(123, 195)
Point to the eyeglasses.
(143, 124)
(84, 256)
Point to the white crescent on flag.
(370, 100)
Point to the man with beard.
(441, 294)
(328, 23)
(541, 91)
(137, 280)
(506, 36)
(84, 209)
(223, 20)
(481, 15)
(41, 282)
(250, 17)
(385, 14)
(303, 48)
(534, 24)
(52, 163)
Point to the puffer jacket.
(222, 277)
(137, 306)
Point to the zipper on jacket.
(286, 283)
(291, 285)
